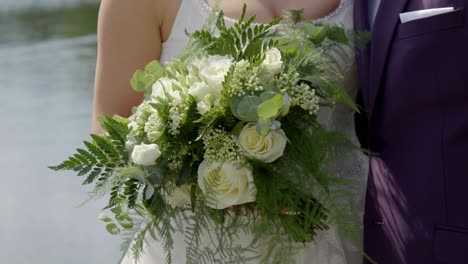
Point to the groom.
(414, 84)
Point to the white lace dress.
(330, 248)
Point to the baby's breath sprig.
(176, 162)
(154, 127)
(302, 95)
(138, 121)
(286, 80)
(221, 146)
(178, 109)
(245, 79)
(306, 98)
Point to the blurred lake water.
(47, 60)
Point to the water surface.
(47, 60)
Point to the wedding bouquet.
(228, 143)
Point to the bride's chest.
(267, 10)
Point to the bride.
(132, 33)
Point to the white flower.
(267, 149)
(272, 61)
(215, 70)
(146, 155)
(180, 196)
(154, 127)
(226, 184)
(131, 141)
(200, 62)
(130, 144)
(164, 87)
(203, 107)
(206, 96)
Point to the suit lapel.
(383, 31)
(360, 15)
(361, 23)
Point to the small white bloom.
(154, 127)
(200, 62)
(164, 87)
(203, 107)
(206, 96)
(130, 144)
(199, 90)
(180, 196)
(146, 155)
(272, 61)
(267, 149)
(133, 125)
(215, 70)
(226, 184)
(131, 141)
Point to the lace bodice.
(193, 13)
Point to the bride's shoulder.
(141, 8)
(154, 13)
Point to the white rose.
(272, 61)
(180, 196)
(206, 96)
(215, 70)
(163, 87)
(266, 149)
(226, 184)
(146, 155)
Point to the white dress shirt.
(372, 11)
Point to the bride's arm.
(129, 36)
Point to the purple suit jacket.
(414, 84)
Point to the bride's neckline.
(209, 9)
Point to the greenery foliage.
(296, 197)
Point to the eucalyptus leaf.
(268, 109)
(265, 96)
(112, 229)
(125, 221)
(142, 81)
(248, 107)
(105, 218)
(278, 100)
(272, 103)
(139, 81)
(155, 68)
(116, 210)
(276, 125)
(264, 126)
